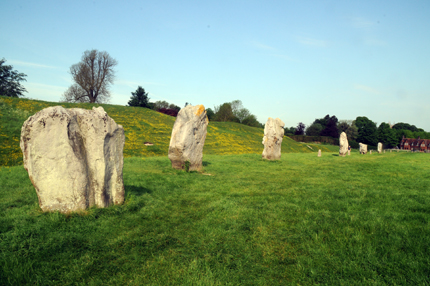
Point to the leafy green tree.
(366, 131)
(224, 113)
(289, 131)
(140, 98)
(239, 111)
(174, 107)
(161, 104)
(323, 121)
(342, 126)
(10, 81)
(352, 131)
(314, 129)
(405, 126)
(251, 120)
(210, 114)
(387, 136)
(331, 128)
(300, 129)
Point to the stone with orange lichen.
(188, 137)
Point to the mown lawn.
(303, 220)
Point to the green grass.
(140, 125)
(303, 220)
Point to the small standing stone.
(343, 144)
(272, 140)
(319, 153)
(188, 138)
(349, 152)
(363, 148)
(370, 152)
(379, 147)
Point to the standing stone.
(343, 144)
(272, 140)
(391, 150)
(370, 152)
(384, 151)
(319, 153)
(349, 152)
(188, 138)
(379, 147)
(74, 158)
(363, 148)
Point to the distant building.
(422, 145)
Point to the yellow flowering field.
(140, 125)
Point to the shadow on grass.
(137, 191)
(205, 163)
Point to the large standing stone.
(272, 140)
(379, 147)
(363, 148)
(188, 138)
(74, 158)
(343, 144)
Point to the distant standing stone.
(343, 144)
(363, 148)
(74, 158)
(319, 153)
(349, 152)
(188, 137)
(370, 152)
(379, 147)
(272, 140)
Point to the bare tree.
(92, 75)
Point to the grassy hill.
(140, 125)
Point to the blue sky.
(296, 60)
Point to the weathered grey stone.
(74, 158)
(343, 144)
(379, 147)
(319, 152)
(363, 148)
(188, 137)
(272, 140)
(370, 152)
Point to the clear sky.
(296, 60)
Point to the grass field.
(140, 125)
(303, 220)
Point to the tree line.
(95, 73)
(360, 130)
